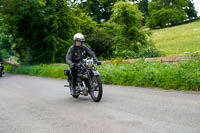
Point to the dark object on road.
(87, 80)
(1, 69)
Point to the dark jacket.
(76, 54)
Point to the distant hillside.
(179, 39)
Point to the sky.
(197, 6)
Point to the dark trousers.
(74, 72)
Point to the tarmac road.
(42, 105)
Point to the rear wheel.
(96, 90)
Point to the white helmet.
(79, 37)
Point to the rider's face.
(78, 43)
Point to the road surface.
(42, 105)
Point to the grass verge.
(43, 70)
(175, 41)
(185, 76)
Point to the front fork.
(92, 84)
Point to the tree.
(143, 7)
(99, 9)
(190, 10)
(101, 43)
(6, 40)
(163, 12)
(125, 27)
(43, 29)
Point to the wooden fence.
(170, 60)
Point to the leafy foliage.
(125, 26)
(190, 10)
(6, 39)
(43, 29)
(99, 9)
(101, 43)
(43, 70)
(156, 74)
(143, 7)
(166, 12)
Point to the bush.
(149, 51)
(185, 76)
(43, 70)
(4, 53)
(101, 43)
(129, 41)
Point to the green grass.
(185, 76)
(174, 41)
(43, 70)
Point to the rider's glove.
(98, 63)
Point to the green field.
(175, 41)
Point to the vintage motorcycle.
(88, 80)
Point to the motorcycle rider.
(77, 52)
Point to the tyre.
(96, 90)
(70, 86)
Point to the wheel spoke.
(96, 90)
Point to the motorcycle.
(88, 80)
(1, 69)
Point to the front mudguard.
(95, 73)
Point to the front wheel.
(96, 90)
